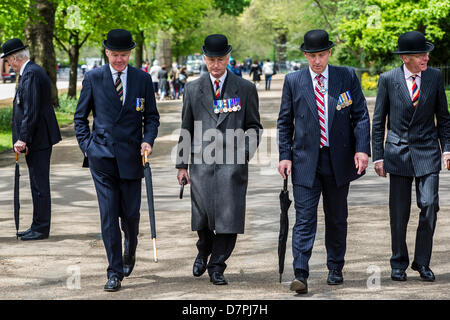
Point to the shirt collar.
(408, 73)
(221, 79)
(23, 67)
(114, 71)
(324, 73)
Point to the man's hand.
(446, 159)
(182, 173)
(379, 169)
(361, 161)
(285, 164)
(146, 146)
(19, 146)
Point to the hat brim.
(5, 54)
(330, 45)
(428, 48)
(107, 46)
(216, 53)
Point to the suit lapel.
(333, 94)
(110, 90)
(231, 91)
(425, 88)
(402, 87)
(207, 99)
(307, 85)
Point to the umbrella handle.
(145, 158)
(285, 182)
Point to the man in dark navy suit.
(126, 122)
(412, 99)
(324, 140)
(34, 131)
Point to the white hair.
(22, 54)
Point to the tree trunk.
(139, 51)
(74, 54)
(164, 49)
(39, 36)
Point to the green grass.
(64, 116)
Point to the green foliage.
(5, 119)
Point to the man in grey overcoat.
(220, 132)
(412, 100)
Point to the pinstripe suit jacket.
(34, 120)
(412, 142)
(299, 130)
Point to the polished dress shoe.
(128, 264)
(299, 285)
(335, 277)
(22, 233)
(113, 284)
(199, 266)
(34, 235)
(217, 278)
(398, 275)
(425, 272)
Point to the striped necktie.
(415, 91)
(119, 86)
(217, 89)
(320, 101)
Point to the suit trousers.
(399, 210)
(336, 212)
(117, 198)
(38, 162)
(219, 246)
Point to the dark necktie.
(119, 86)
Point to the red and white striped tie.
(415, 91)
(320, 101)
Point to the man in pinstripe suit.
(34, 131)
(411, 97)
(324, 139)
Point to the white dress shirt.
(409, 80)
(325, 97)
(23, 67)
(123, 78)
(221, 81)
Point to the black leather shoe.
(335, 277)
(299, 285)
(398, 275)
(199, 266)
(22, 233)
(425, 272)
(217, 278)
(128, 264)
(113, 284)
(34, 235)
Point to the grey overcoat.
(216, 148)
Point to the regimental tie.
(119, 86)
(415, 91)
(217, 89)
(320, 101)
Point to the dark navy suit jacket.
(299, 130)
(118, 130)
(34, 120)
(412, 143)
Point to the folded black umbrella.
(183, 182)
(16, 196)
(151, 207)
(285, 203)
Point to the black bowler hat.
(316, 41)
(413, 42)
(12, 46)
(216, 45)
(119, 40)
